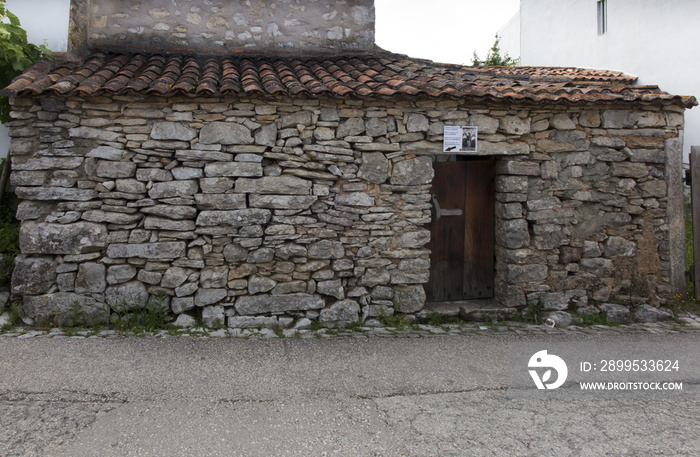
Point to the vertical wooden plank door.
(462, 245)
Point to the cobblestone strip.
(684, 324)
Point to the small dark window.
(602, 17)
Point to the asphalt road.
(452, 395)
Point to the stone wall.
(252, 212)
(255, 25)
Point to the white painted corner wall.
(655, 41)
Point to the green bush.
(9, 236)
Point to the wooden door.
(462, 237)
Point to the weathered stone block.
(326, 249)
(266, 135)
(170, 189)
(354, 199)
(225, 133)
(55, 193)
(597, 266)
(264, 304)
(219, 201)
(163, 250)
(617, 246)
(374, 167)
(280, 185)
(334, 288)
(617, 314)
(181, 304)
(174, 277)
(299, 118)
(90, 278)
(117, 274)
(76, 238)
(213, 316)
(234, 218)
(514, 125)
(413, 172)
(205, 297)
(282, 201)
(409, 299)
(354, 126)
(487, 125)
(619, 119)
(233, 169)
(252, 322)
(64, 309)
(513, 233)
(172, 131)
(110, 169)
(171, 211)
(525, 273)
(126, 297)
(33, 275)
(341, 314)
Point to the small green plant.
(533, 312)
(148, 317)
(315, 325)
(9, 235)
(600, 318)
(435, 319)
(494, 58)
(396, 320)
(683, 302)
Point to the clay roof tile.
(382, 74)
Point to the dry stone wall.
(217, 25)
(261, 212)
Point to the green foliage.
(533, 312)
(494, 58)
(150, 316)
(16, 54)
(9, 235)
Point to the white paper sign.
(459, 139)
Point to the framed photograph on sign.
(459, 139)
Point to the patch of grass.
(683, 302)
(396, 320)
(533, 312)
(149, 317)
(434, 319)
(587, 319)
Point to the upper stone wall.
(221, 25)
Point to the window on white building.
(602, 17)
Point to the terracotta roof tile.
(379, 75)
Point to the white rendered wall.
(46, 22)
(656, 41)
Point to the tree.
(494, 58)
(16, 54)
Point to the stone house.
(255, 163)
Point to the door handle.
(439, 212)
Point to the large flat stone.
(282, 201)
(33, 275)
(46, 238)
(225, 133)
(64, 309)
(262, 304)
(233, 169)
(280, 185)
(163, 250)
(235, 218)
